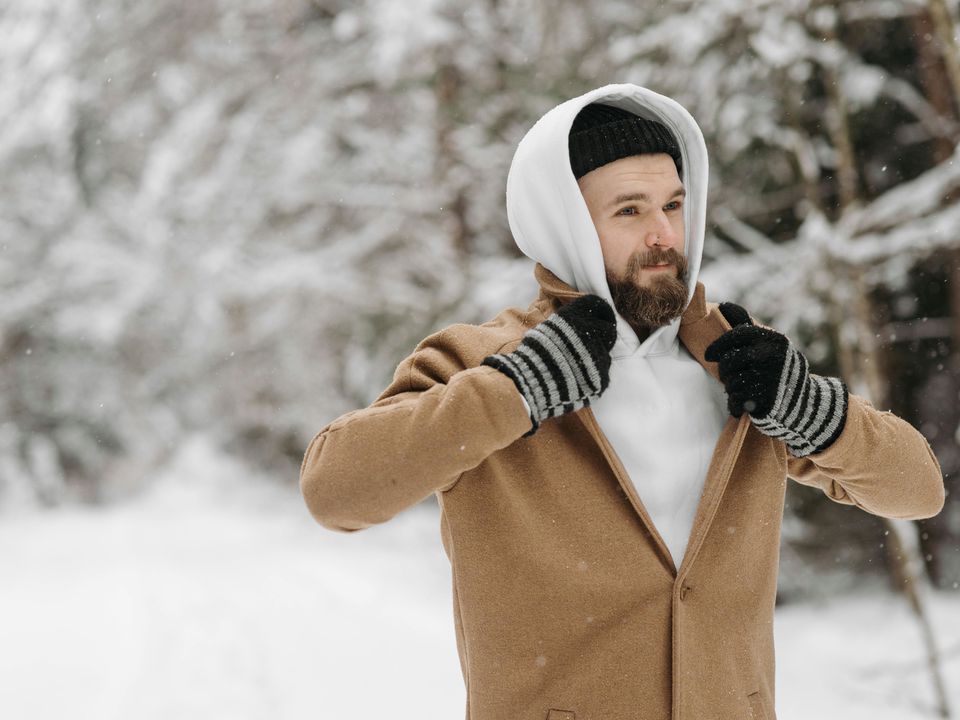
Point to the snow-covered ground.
(214, 596)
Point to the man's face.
(636, 204)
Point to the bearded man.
(611, 462)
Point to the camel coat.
(567, 604)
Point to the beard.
(644, 307)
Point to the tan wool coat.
(567, 603)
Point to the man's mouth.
(660, 266)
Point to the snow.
(222, 599)
(215, 595)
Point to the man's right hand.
(564, 362)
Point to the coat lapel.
(554, 291)
(701, 325)
(593, 427)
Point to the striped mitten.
(765, 376)
(564, 362)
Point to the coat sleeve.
(437, 420)
(879, 463)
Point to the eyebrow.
(643, 197)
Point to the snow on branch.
(909, 200)
(920, 238)
(879, 9)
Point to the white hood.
(549, 217)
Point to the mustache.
(656, 256)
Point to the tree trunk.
(867, 374)
(902, 545)
(945, 30)
(938, 538)
(447, 86)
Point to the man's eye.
(623, 211)
(675, 205)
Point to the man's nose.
(661, 233)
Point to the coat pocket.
(560, 715)
(757, 709)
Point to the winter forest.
(223, 224)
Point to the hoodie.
(662, 412)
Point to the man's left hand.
(768, 378)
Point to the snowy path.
(226, 601)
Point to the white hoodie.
(662, 412)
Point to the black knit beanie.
(602, 133)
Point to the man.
(612, 483)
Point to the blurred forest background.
(234, 218)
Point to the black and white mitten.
(564, 362)
(768, 378)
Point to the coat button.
(683, 592)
